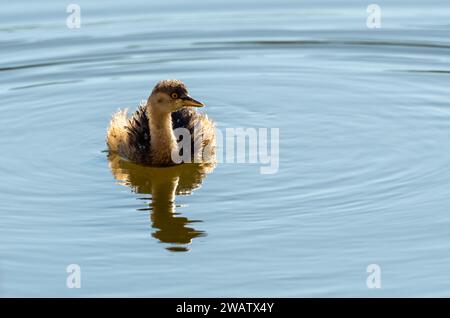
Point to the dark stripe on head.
(171, 86)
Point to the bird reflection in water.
(164, 184)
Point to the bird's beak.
(190, 102)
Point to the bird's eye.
(174, 95)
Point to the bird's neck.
(162, 140)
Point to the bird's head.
(169, 96)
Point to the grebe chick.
(148, 136)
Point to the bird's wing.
(202, 132)
(182, 119)
(138, 147)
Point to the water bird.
(148, 137)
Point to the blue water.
(364, 119)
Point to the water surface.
(364, 150)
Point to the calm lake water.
(364, 119)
